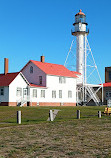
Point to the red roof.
(80, 13)
(53, 69)
(5, 80)
(108, 84)
(35, 85)
(76, 73)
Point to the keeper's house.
(38, 84)
(107, 85)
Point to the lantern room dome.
(80, 13)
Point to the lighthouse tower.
(87, 90)
(80, 32)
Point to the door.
(25, 93)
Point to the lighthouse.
(80, 31)
(86, 68)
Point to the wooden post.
(51, 115)
(78, 114)
(99, 114)
(19, 117)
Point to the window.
(42, 93)
(1, 91)
(53, 94)
(107, 94)
(62, 80)
(35, 93)
(19, 92)
(60, 93)
(109, 75)
(40, 79)
(31, 69)
(69, 94)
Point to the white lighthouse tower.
(85, 64)
(80, 32)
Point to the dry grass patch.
(58, 139)
(66, 137)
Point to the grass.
(34, 115)
(65, 137)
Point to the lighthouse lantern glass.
(80, 18)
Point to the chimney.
(5, 66)
(42, 59)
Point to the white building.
(38, 84)
(12, 87)
(50, 84)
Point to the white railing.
(21, 101)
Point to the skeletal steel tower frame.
(85, 91)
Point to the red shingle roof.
(35, 85)
(53, 69)
(5, 80)
(107, 84)
(76, 73)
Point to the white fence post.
(51, 115)
(78, 114)
(99, 114)
(19, 117)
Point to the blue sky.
(31, 28)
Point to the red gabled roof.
(52, 69)
(5, 80)
(35, 85)
(108, 84)
(76, 73)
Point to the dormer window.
(62, 80)
(31, 69)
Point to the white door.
(25, 93)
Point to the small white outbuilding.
(12, 87)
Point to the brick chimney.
(42, 59)
(5, 66)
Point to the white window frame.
(19, 91)
(34, 93)
(53, 94)
(42, 93)
(62, 79)
(60, 93)
(69, 94)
